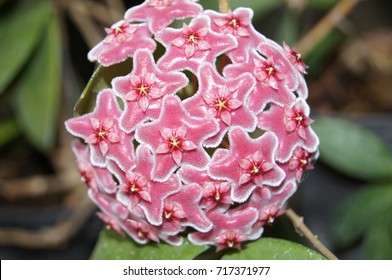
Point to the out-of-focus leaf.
(287, 28)
(378, 239)
(352, 149)
(100, 80)
(111, 246)
(39, 88)
(9, 130)
(274, 249)
(360, 211)
(21, 29)
(259, 7)
(322, 4)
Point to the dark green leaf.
(9, 130)
(38, 90)
(112, 246)
(21, 28)
(100, 79)
(360, 211)
(352, 149)
(287, 27)
(274, 249)
(378, 239)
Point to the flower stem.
(324, 26)
(303, 230)
(224, 6)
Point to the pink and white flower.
(121, 42)
(208, 129)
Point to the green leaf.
(21, 27)
(352, 149)
(112, 246)
(274, 249)
(378, 239)
(259, 7)
(287, 27)
(9, 130)
(38, 90)
(101, 79)
(359, 212)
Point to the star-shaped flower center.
(103, 134)
(229, 239)
(295, 119)
(295, 58)
(270, 215)
(267, 72)
(173, 211)
(234, 23)
(222, 104)
(174, 142)
(253, 168)
(142, 231)
(300, 162)
(119, 32)
(192, 40)
(136, 187)
(215, 194)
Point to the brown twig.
(302, 229)
(324, 26)
(51, 236)
(224, 6)
(33, 187)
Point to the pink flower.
(137, 189)
(189, 198)
(97, 178)
(224, 100)
(209, 129)
(160, 13)
(282, 68)
(121, 42)
(296, 119)
(141, 231)
(292, 127)
(300, 162)
(176, 137)
(111, 223)
(142, 90)
(230, 229)
(295, 58)
(175, 143)
(216, 194)
(269, 87)
(100, 131)
(239, 24)
(248, 164)
(193, 45)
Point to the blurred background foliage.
(44, 211)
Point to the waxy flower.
(121, 43)
(193, 45)
(205, 137)
(160, 13)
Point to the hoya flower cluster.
(215, 165)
